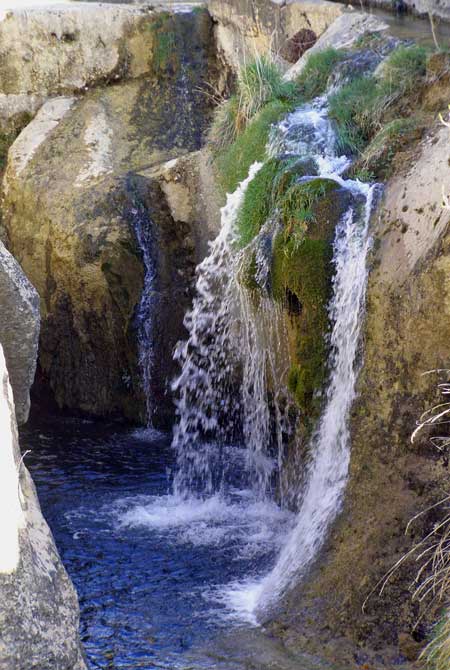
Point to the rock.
(243, 28)
(407, 331)
(65, 49)
(295, 46)
(38, 606)
(19, 329)
(341, 34)
(192, 195)
(76, 188)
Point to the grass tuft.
(404, 67)
(258, 84)
(314, 78)
(234, 161)
(357, 108)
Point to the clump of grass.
(357, 108)
(313, 79)
(404, 67)
(258, 202)
(362, 107)
(258, 84)
(234, 161)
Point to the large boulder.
(342, 33)
(19, 329)
(38, 606)
(89, 224)
(407, 333)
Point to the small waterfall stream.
(227, 369)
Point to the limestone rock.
(19, 329)
(341, 34)
(192, 195)
(63, 49)
(38, 606)
(76, 188)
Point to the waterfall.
(327, 472)
(225, 363)
(226, 389)
(146, 310)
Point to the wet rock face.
(72, 192)
(19, 329)
(38, 605)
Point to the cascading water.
(327, 472)
(143, 229)
(226, 361)
(224, 333)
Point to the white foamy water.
(250, 526)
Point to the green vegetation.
(357, 108)
(234, 161)
(165, 53)
(404, 68)
(259, 84)
(258, 202)
(363, 106)
(313, 79)
(301, 275)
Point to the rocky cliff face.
(68, 48)
(79, 180)
(38, 605)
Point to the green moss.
(313, 79)
(234, 162)
(301, 280)
(165, 53)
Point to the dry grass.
(432, 553)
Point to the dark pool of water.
(149, 570)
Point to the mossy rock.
(301, 280)
(272, 188)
